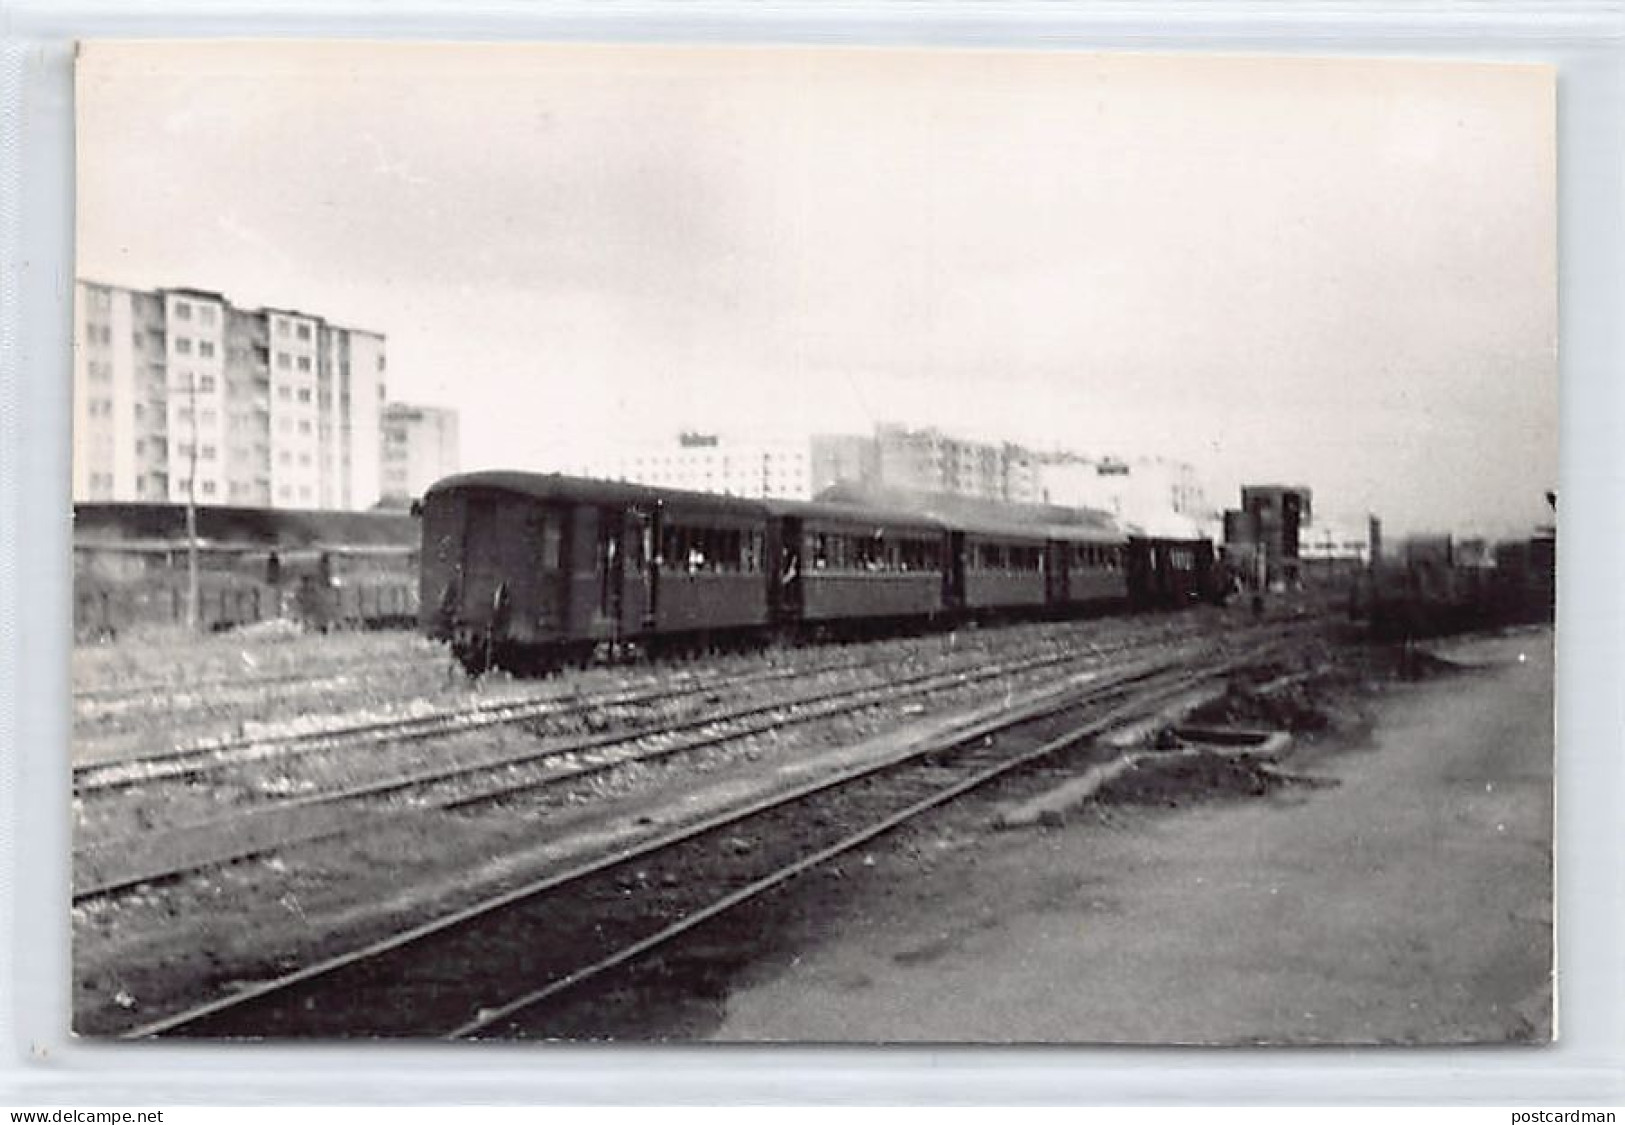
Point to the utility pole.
(191, 506)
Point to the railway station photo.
(807, 545)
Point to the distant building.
(929, 460)
(178, 394)
(1263, 537)
(420, 445)
(711, 463)
(1156, 495)
(1340, 541)
(843, 459)
(923, 461)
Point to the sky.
(1338, 273)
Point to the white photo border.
(40, 1062)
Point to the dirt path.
(1410, 902)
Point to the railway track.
(150, 689)
(509, 965)
(199, 759)
(151, 858)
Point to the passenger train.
(529, 571)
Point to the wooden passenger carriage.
(841, 563)
(528, 569)
(553, 566)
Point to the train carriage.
(709, 575)
(521, 568)
(837, 563)
(1170, 573)
(529, 570)
(1086, 567)
(1002, 566)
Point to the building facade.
(710, 463)
(929, 460)
(420, 445)
(1156, 495)
(1262, 538)
(180, 395)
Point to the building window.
(208, 453)
(205, 347)
(208, 488)
(284, 393)
(183, 311)
(205, 313)
(304, 332)
(304, 458)
(183, 345)
(304, 363)
(304, 425)
(283, 360)
(205, 382)
(281, 326)
(304, 394)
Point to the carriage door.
(611, 566)
(1055, 571)
(787, 597)
(646, 527)
(953, 572)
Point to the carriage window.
(551, 538)
(646, 545)
(867, 552)
(726, 551)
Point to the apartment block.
(178, 395)
(1154, 494)
(710, 463)
(420, 445)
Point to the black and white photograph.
(812, 544)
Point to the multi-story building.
(1157, 495)
(1264, 534)
(180, 395)
(930, 461)
(710, 463)
(843, 459)
(419, 447)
